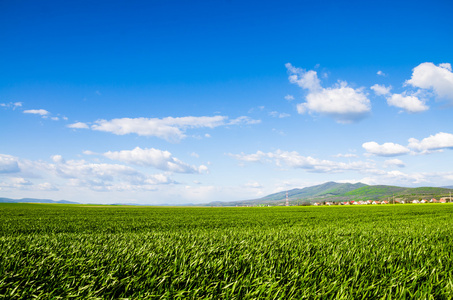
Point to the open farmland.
(82, 251)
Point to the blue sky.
(194, 101)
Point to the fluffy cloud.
(396, 177)
(381, 90)
(104, 177)
(297, 161)
(41, 112)
(8, 164)
(438, 141)
(386, 149)
(78, 125)
(159, 159)
(60, 174)
(341, 102)
(170, 129)
(427, 145)
(438, 78)
(167, 128)
(410, 104)
(394, 163)
(425, 76)
(305, 79)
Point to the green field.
(81, 251)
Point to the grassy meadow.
(54, 251)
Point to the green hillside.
(334, 192)
(380, 192)
(299, 196)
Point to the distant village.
(353, 202)
(377, 202)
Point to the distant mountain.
(325, 190)
(447, 187)
(333, 191)
(32, 200)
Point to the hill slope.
(325, 190)
(333, 191)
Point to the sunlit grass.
(68, 251)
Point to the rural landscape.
(83, 251)
(227, 149)
(50, 251)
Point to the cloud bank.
(170, 128)
(439, 141)
(162, 160)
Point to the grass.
(110, 252)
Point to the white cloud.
(81, 174)
(89, 152)
(244, 120)
(253, 184)
(46, 186)
(396, 177)
(438, 141)
(167, 128)
(381, 90)
(170, 129)
(289, 97)
(276, 114)
(159, 159)
(347, 155)
(41, 112)
(341, 102)
(386, 149)
(8, 164)
(305, 79)
(12, 105)
(57, 159)
(394, 163)
(256, 157)
(297, 161)
(410, 104)
(433, 143)
(19, 181)
(438, 78)
(380, 73)
(78, 125)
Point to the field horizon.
(96, 251)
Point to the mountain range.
(33, 200)
(333, 191)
